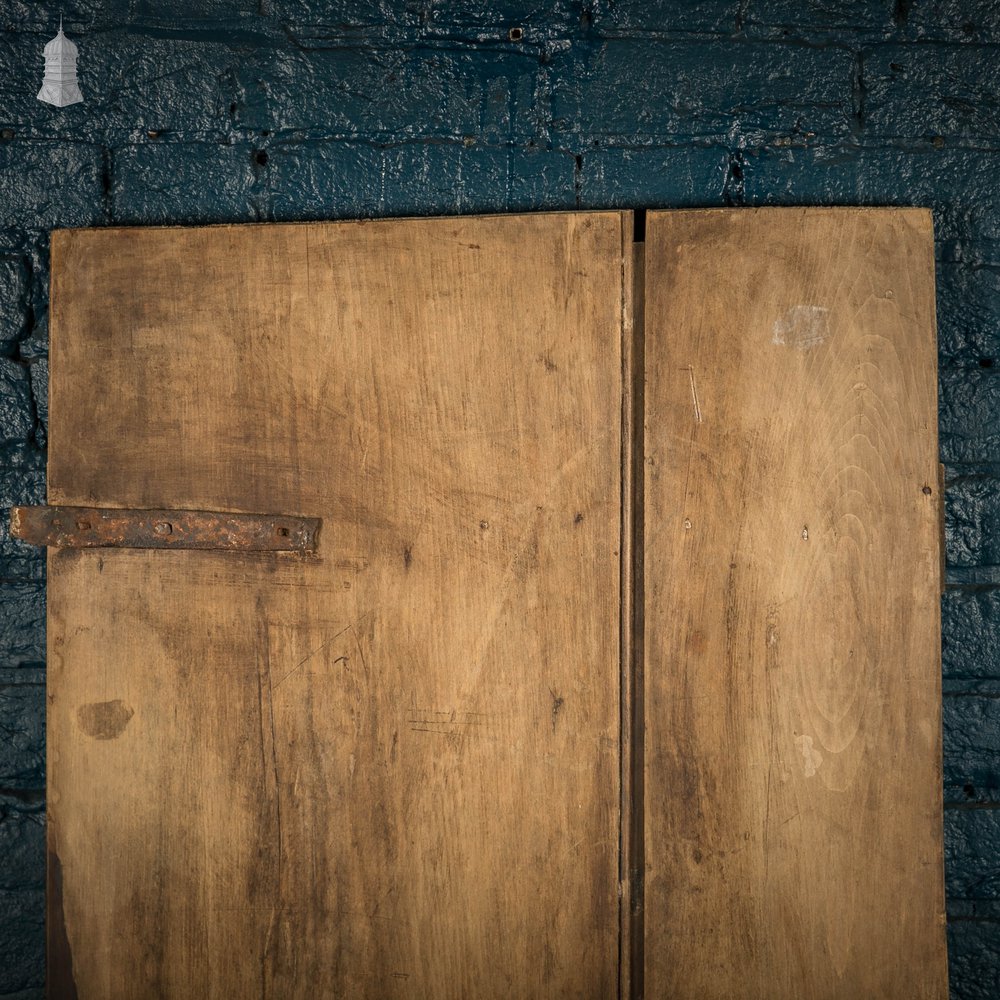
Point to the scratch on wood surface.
(309, 656)
(694, 394)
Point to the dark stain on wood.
(104, 720)
(61, 984)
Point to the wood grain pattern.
(792, 681)
(391, 770)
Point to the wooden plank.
(792, 723)
(392, 769)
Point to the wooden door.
(427, 760)
(390, 769)
(792, 575)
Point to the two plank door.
(616, 668)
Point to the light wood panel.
(792, 682)
(393, 769)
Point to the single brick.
(954, 20)
(327, 180)
(637, 92)
(968, 309)
(185, 183)
(22, 736)
(912, 91)
(344, 14)
(28, 16)
(972, 517)
(357, 180)
(13, 303)
(392, 93)
(969, 403)
(204, 10)
(493, 21)
(22, 943)
(17, 417)
(478, 178)
(51, 184)
(22, 842)
(974, 959)
(972, 865)
(22, 623)
(642, 16)
(676, 177)
(970, 634)
(971, 748)
(776, 18)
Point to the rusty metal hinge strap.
(109, 527)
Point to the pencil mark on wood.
(305, 659)
(557, 703)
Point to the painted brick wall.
(224, 110)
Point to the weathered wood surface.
(391, 769)
(792, 682)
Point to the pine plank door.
(792, 807)
(391, 769)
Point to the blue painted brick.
(972, 866)
(920, 90)
(185, 11)
(970, 632)
(26, 16)
(22, 953)
(186, 183)
(13, 303)
(968, 425)
(972, 516)
(493, 19)
(22, 623)
(631, 17)
(133, 81)
(968, 309)
(345, 14)
(823, 19)
(971, 748)
(635, 93)
(22, 842)
(477, 178)
(678, 177)
(954, 20)
(355, 180)
(22, 736)
(51, 183)
(974, 959)
(17, 418)
(392, 94)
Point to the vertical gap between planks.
(632, 867)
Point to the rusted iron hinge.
(105, 527)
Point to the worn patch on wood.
(104, 720)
